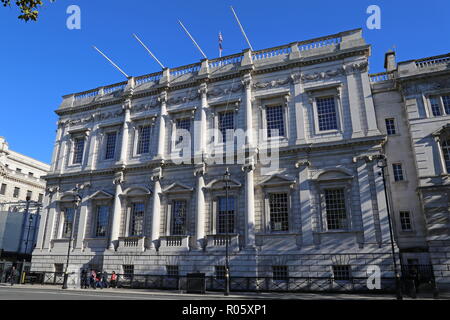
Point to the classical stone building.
(412, 101)
(320, 211)
(20, 177)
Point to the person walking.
(113, 281)
(12, 275)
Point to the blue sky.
(41, 61)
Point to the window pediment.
(444, 130)
(101, 195)
(277, 180)
(219, 184)
(333, 174)
(136, 192)
(68, 196)
(177, 188)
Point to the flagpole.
(148, 50)
(242, 28)
(115, 65)
(195, 43)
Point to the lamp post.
(27, 209)
(76, 202)
(226, 178)
(382, 164)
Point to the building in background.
(412, 101)
(20, 177)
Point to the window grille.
(101, 221)
(78, 150)
(390, 126)
(137, 221)
(110, 145)
(275, 121)
(226, 212)
(335, 209)
(178, 217)
(435, 108)
(326, 114)
(128, 270)
(144, 140)
(172, 271)
(68, 222)
(341, 272)
(446, 152)
(16, 192)
(280, 272)
(278, 204)
(446, 103)
(398, 172)
(220, 272)
(226, 122)
(182, 124)
(405, 220)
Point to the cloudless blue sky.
(41, 61)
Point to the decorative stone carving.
(302, 162)
(215, 92)
(118, 178)
(200, 170)
(272, 83)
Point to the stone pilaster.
(125, 132)
(200, 137)
(156, 209)
(247, 83)
(160, 154)
(305, 203)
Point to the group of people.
(97, 279)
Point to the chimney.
(389, 61)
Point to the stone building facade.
(416, 95)
(320, 211)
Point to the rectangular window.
(31, 174)
(172, 271)
(178, 217)
(110, 145)
(220, 272)
(18, 170)
(446, 152)
(398, 172)
(435, 107)
(68, 222)
(280, 272)
(78, 150)
(225, 215)
(3, 189)
(59, 269)
(144, 140)
(336, 212)
(446, 103)
(390, 126)
(275, 121)
(326, 114)
(182, 124)
(101, 221)
(16, 192)
(226, 122)
(405, 220)
(137, 219)
(341, 272)
(40, 197)
(128, 270)
(279, 215)
(29, 194)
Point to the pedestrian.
(93, 278)
(12, 275)
(105, 279)
(113, 281)
(84, 279)
(98, 280)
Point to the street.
(38, 292)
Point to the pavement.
(50, 292)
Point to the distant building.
(20, 177)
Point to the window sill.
(325, 132)
(336, 231)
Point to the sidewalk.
(241, 295)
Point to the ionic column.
(200, 129)
(162, 125)
(156, 209)
(247, 82)
(200, 201)
(125, 128)
(249, 205)
(115, 219)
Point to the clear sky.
(41, 61)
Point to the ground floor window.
(280, 272)
(341, 272)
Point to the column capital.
(200, 170)
(162, 97)
(157, 174)
(296, 77)
(203, 89)
(366, 158)
(52, 190)
(247, 81)
(302, 162)
(118, 178)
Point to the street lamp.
(76, 202)
(226, 178)
(382, 164)
(27, 209)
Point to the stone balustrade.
(432, 61)
(219, 241)
(232, 59)
(133, 243)
(382, 76)
(174, 242)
